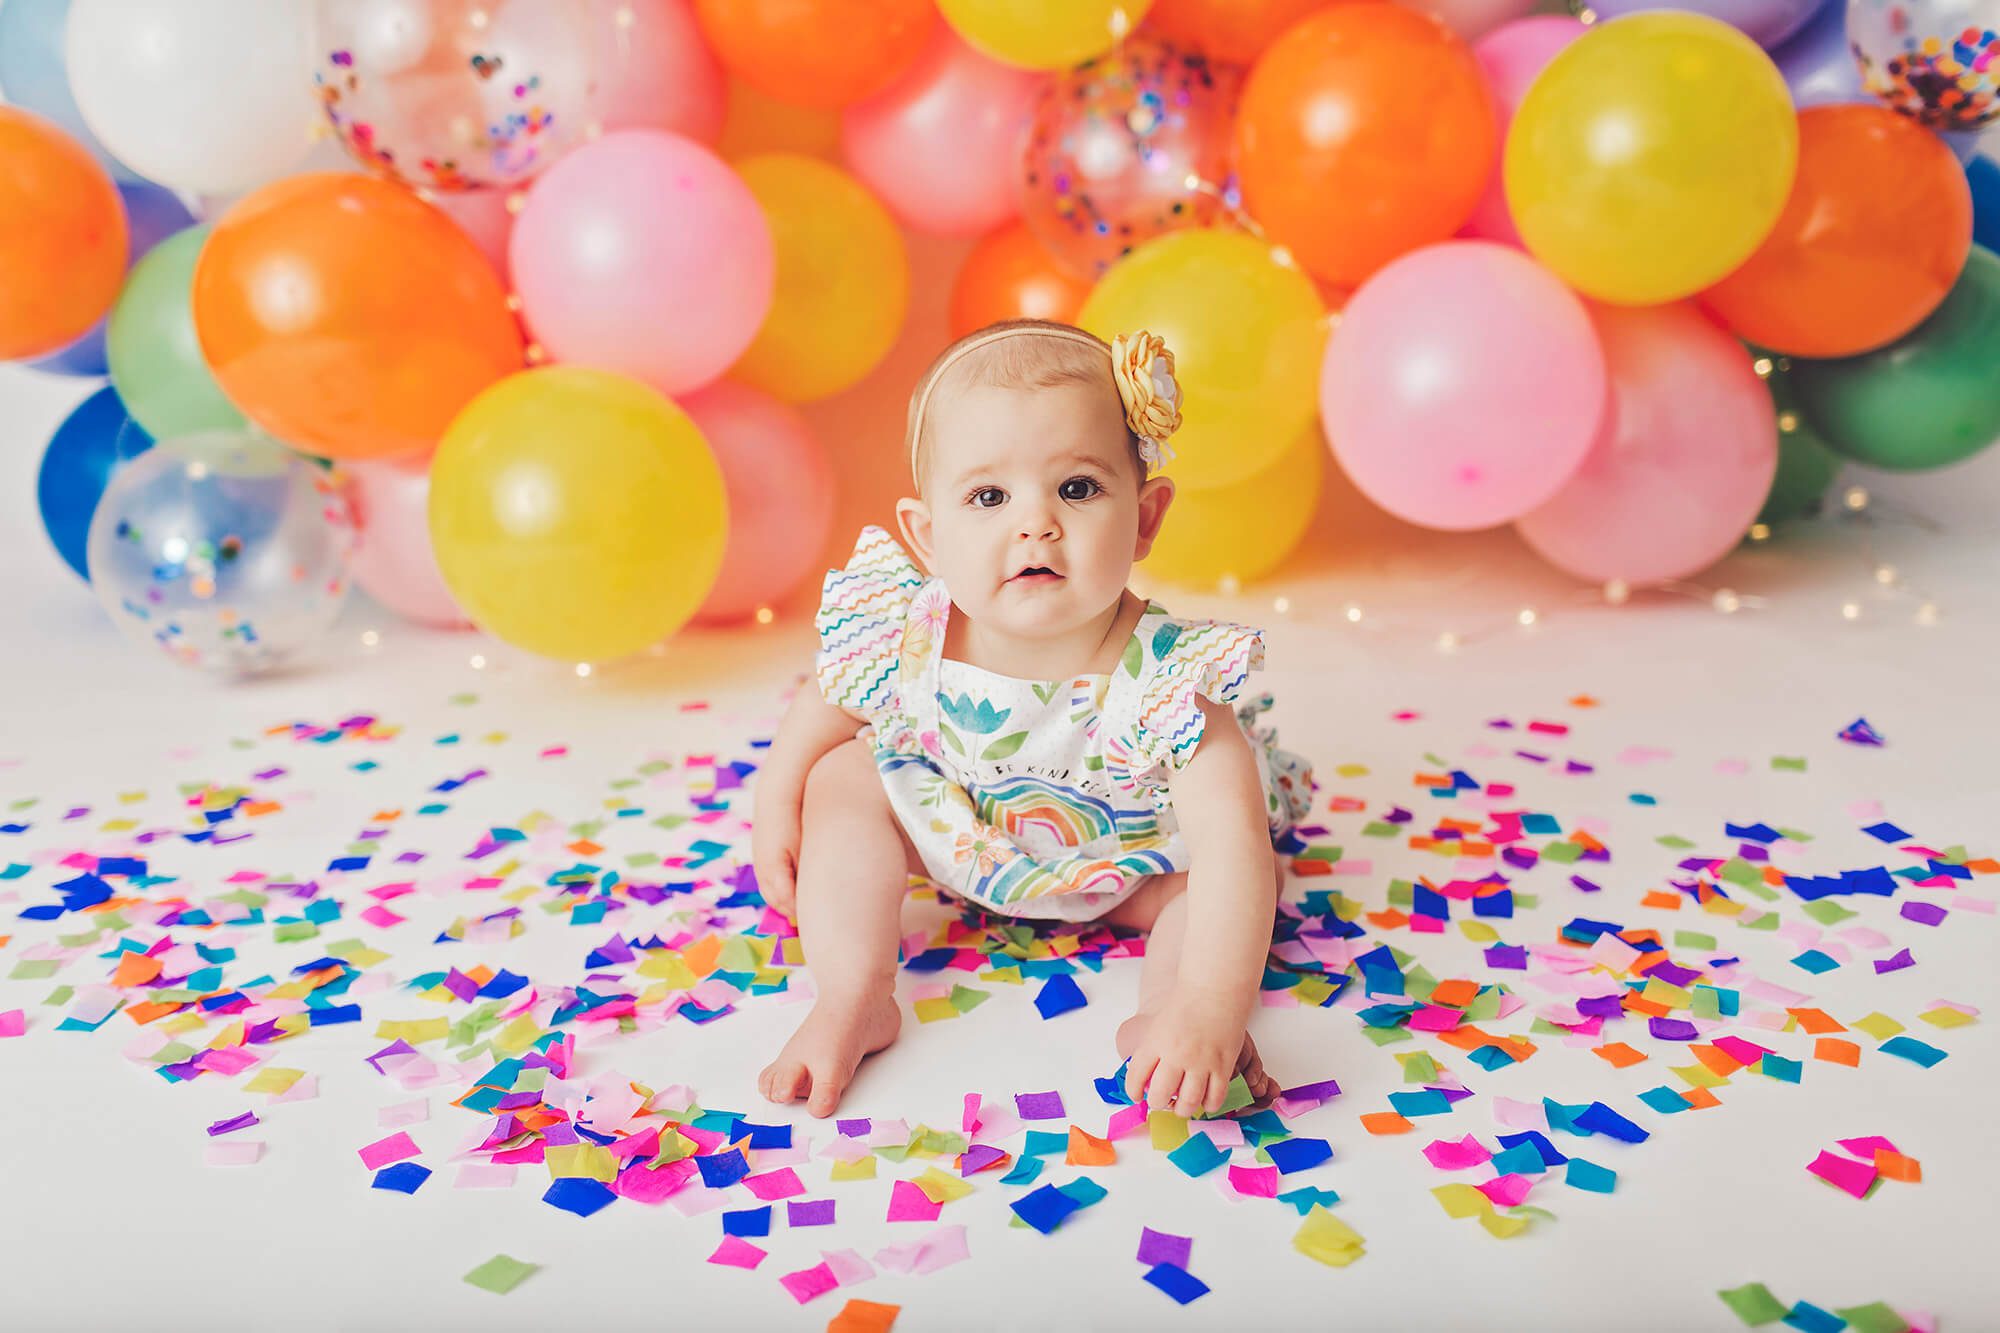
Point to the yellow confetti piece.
(415, 1031)
(1879, 1026)
(517, 1036)
(1168, 1131)
(1461, 1200)
(1328, 1239)
(1699, 1076)
(118, 825)
(935, 1009)
(1664, 992)
(670, 968)
(1478, 932)
(1503, 1227)
(861, 1169)
(581, 1159)
(1946, 1017)
(273, 1079)
(941, 1188)
(1352, 770)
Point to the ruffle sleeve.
(862, 612)
(1210, 659)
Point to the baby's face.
(1037, 509)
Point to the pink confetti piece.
(939, 1249)
(1446, 1155)
(382, 1152)
(1844, 1173)
(1508, 1190)
(1866, 1146)
(233, 1152)
(847, 1267)
(737, 1252)
(907, 1203)
(1254, 1182)
(13, 1022)
(780, 1184)
(484, 1176)
(407, 1113)
(808, 1283)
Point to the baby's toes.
(827, 1086)
(781, 1081)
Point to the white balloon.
(209, 96)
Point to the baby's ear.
(913, 516)
(1154, 497)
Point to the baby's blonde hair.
(1012, 354)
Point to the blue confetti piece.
(1058, 995)
(1909, 1048)
(1305, 1198)
(747, 1222)
(1177, 1282)
(1044, 1209)
(1597, 1118)
(1810, 1318)
(403, 1177)
(1550, 1154)
(1590, 1176)
(1291, 1155)
(721, 1169)
(581, 1195)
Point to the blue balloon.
(1817, 65)
(35, 73)
(95, 441)
(152, 213)
(1984, 175)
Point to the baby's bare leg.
(854, 865)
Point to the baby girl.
(1022, 729)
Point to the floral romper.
(1035, 798)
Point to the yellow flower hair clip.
(1144, 371)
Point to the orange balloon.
(1232, 30)
(62, 240)
(1008, 275)
(1365, 132)
(1877, 228)
(819, 53)
(349, 318)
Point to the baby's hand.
(1188, 1054)
(774, 855)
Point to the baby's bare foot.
(819, 1061)
(1248, 1063)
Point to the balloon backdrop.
(1875, 233)
(1365, 131)
(1510, 57)
(1766, 22)
(223, 550)
(1112, 147)
(1043, 34)
(1651, 157)
(584, 554)
(1928, 399)
(93, 442)
(654, 71)
(1816, 63)
(1236, 31)
(202, 95)
(1243, 530)
(1937, 61)
(485, 216)
(155, 358)
(780, 488)
(842, 280)
(393, 561)
(349, 318)
(753, 123)
(643, 253)
(1806, 467)
(63, 248)
(455, 94)
(34, 73)
(1472, 19)
(152, 214)
(941, 144)
(825, 54)
(1462, 385)
(1247, 333)
(1983, 175)
(1008, 275)
(1683, 464)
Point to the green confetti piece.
(1754, 1304)
(1788, 763)
(294, 930)
(1380, 829)
(461, 700)
(1563, 853)
(1673, 841)
(1795, 835)
(1736, 870)
(1693, 939)
(1874, 1317)
(967, 998)
(1235, 1099)
(33, 969)
(1319, 852)
(1827, 912)
(1418, 1067)
(60, 995)
(500, 1274)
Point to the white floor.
(109, 1218)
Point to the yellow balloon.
(1247, 330)
(576, 513)
(843, 280)
(1043, 34)
(1244, 530)
(1651, 157)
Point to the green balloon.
(1930, 399)
(1806, 467)
(156, 361)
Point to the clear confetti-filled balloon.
(1935, 60)
(1125, 148)
(224, 549)
(456, 94)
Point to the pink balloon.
(1473, 18)
(1462, 385)
(781, 492)
(1687, 454)
(941, 145)
(643, 253)
(1511, 56)
(654, 71)
(482, 215)
(393, 561)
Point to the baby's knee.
(843, 781)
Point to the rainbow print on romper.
(1037, 810)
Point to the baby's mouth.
(1036, 574)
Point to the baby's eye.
(1079, 488)
(989, 497)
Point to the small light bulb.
(535, 354)
(583, 668)
(1448, 642)
(765, 615)
(1228, 585)
(1850, 610)
(1885, 575)
(1191, 182)
(1726, 601)
(1282, 256)
(1787, 422)
(197, 471)
(1762, 365)
(517, 201)
(1353, 614)
(1928, 613)
(1617, 592)
(1282, 605)
(478, 661)
(1586, 16)
(625, 18)
(1526, 615)
(1760, 532)
(1855, 498)
(514, 302)
(1121, 23)
(478, 18)
(369, 638)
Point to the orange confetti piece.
(1385, 1122)
(252, 809)
(1462, 825)
(1895, 1166)
(1307, 869)
(701, 955)
(135, 969)
(1457, 992)
(1388, 920)
(1087, 1149)
(1718, 1060)
(1700, 1099)
(147, 1010)
(1618, 1054)
(1582, 701)
(1668, 902)
(1985, 865)
(859, 1316)
(1816, 1022)
(584, 847)
(1346, 804)
(1837, 1052)
(1433, 780)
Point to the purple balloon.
(152, 213)
(1818, 67)
(1768, 22)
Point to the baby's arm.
(810, 729)
(1218, 798)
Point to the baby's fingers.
(1164, 1088)
(1217, 1093)
(1137, 1071)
